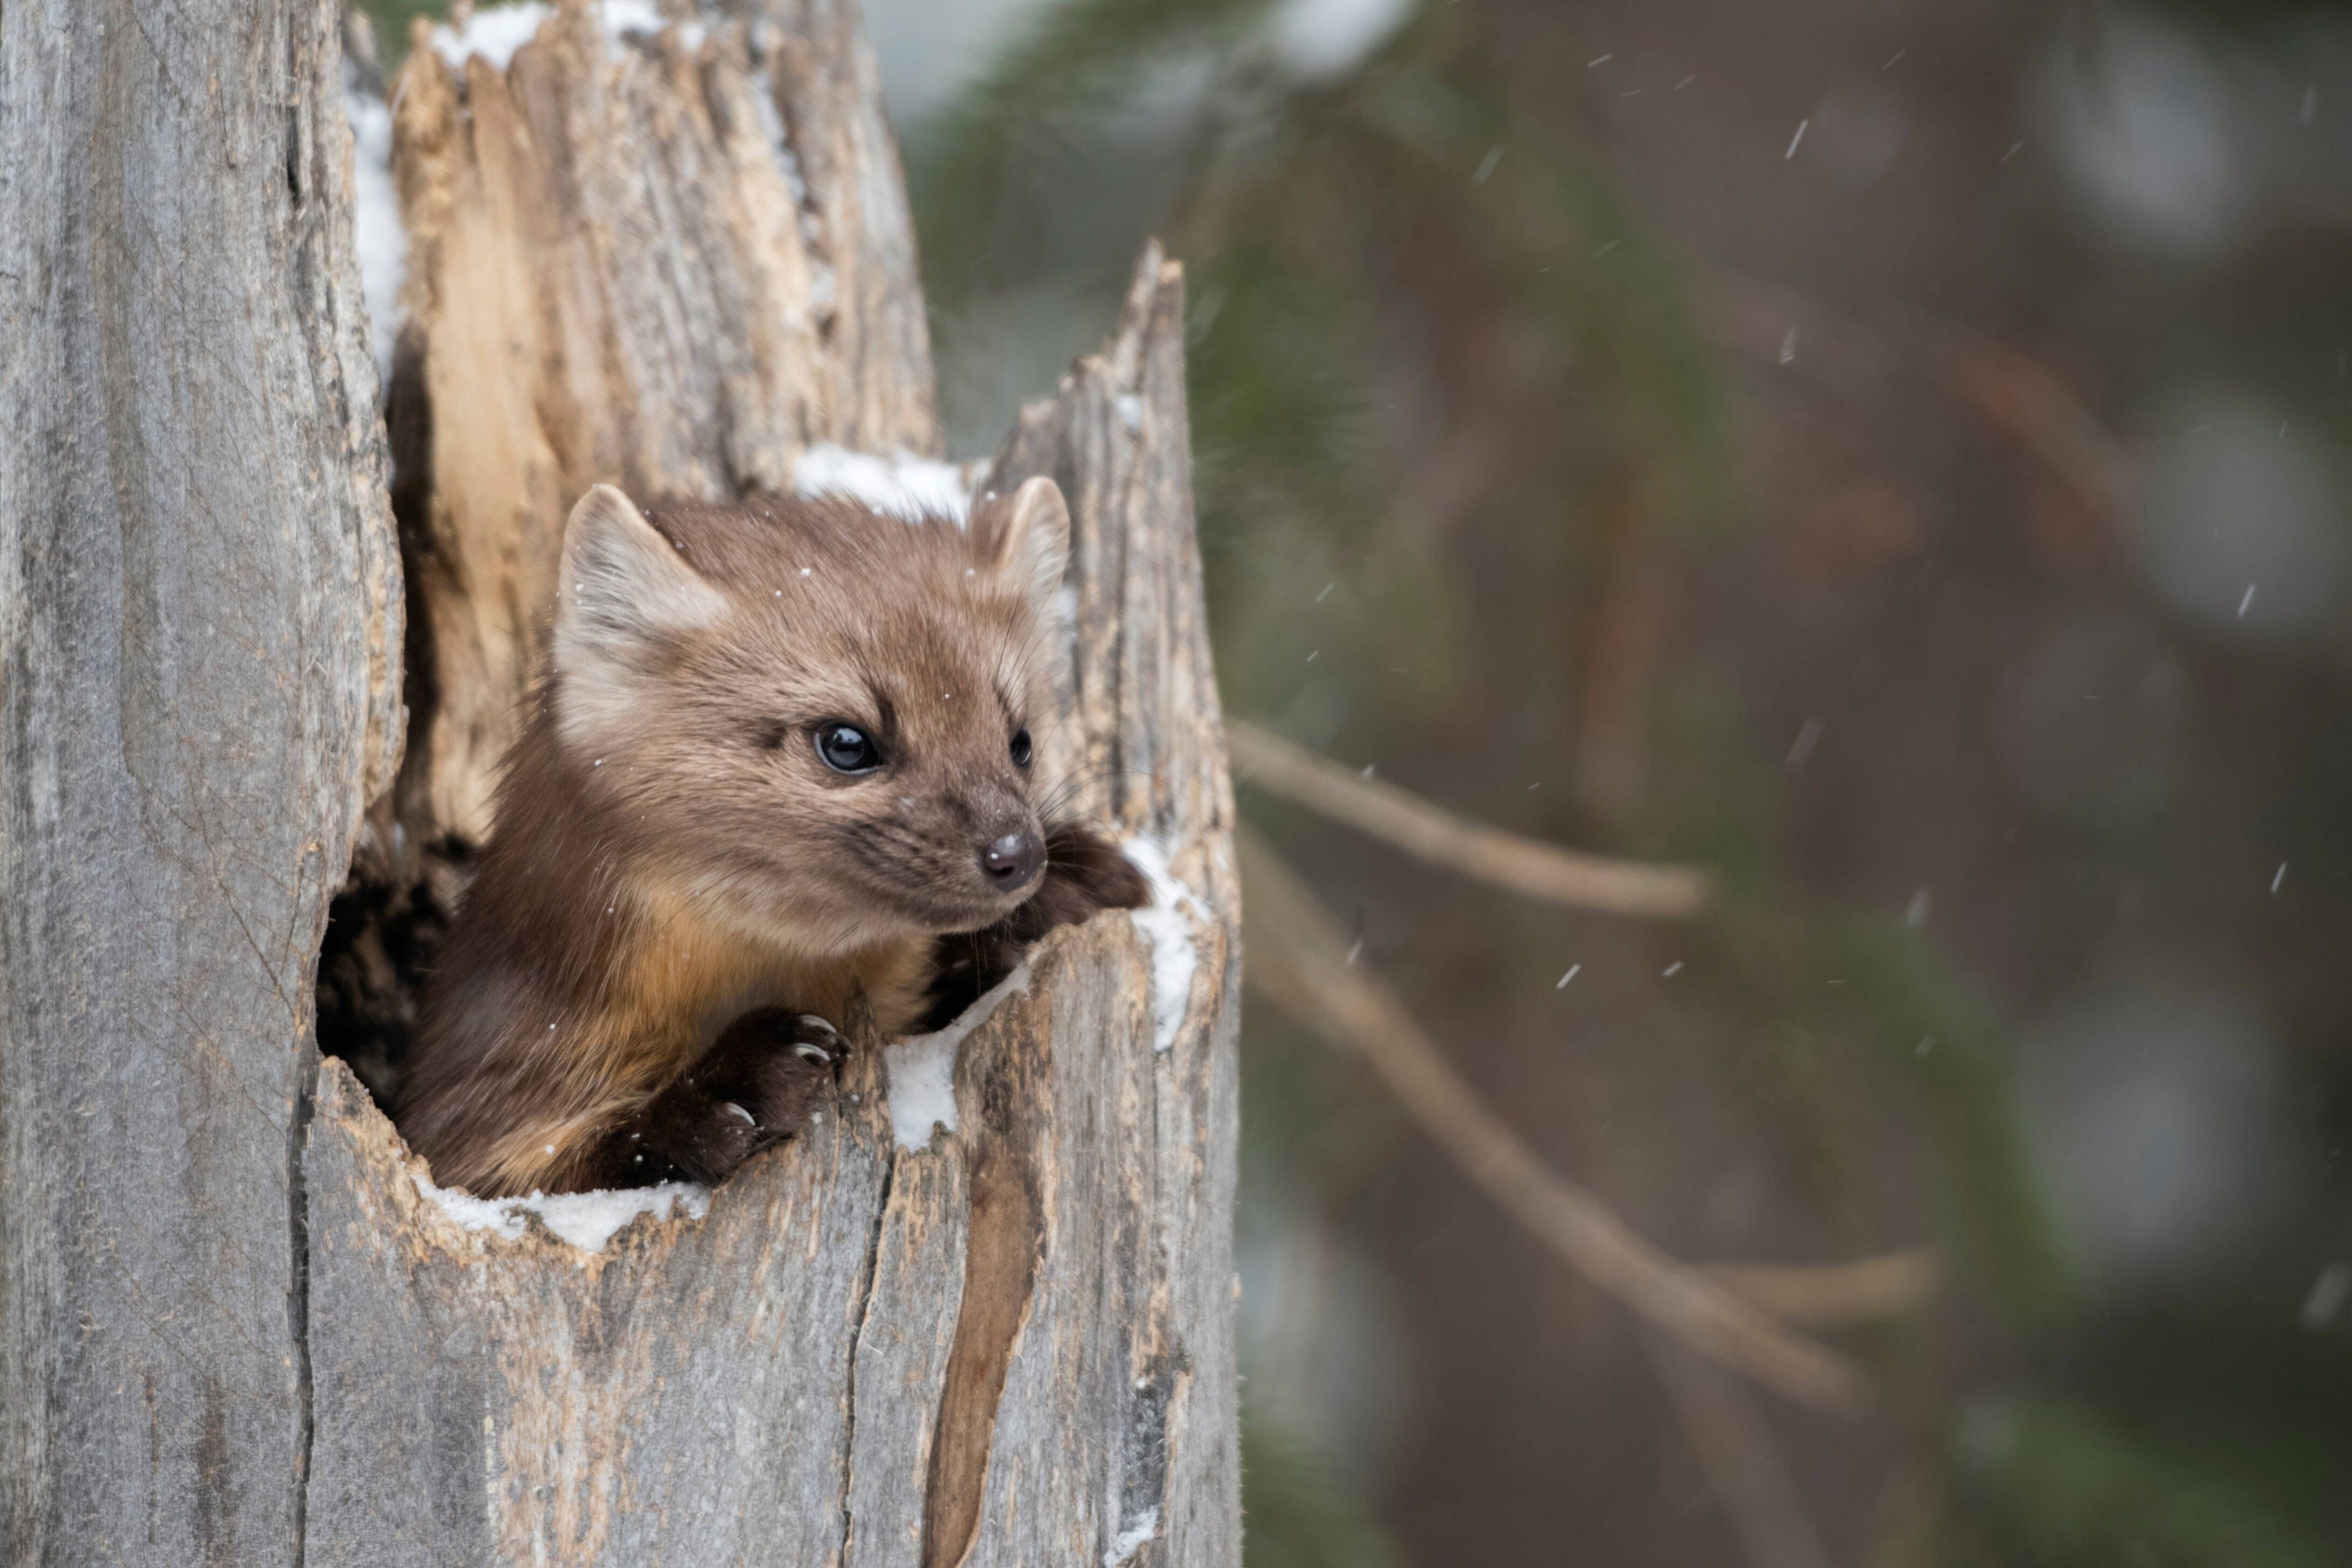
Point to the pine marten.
(780, 756)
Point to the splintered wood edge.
(1109, 420)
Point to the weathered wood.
(670, 261)
(1013, 1346)
(199, 627)
(675, 1399)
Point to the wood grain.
(199, 626)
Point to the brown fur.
(678, 891)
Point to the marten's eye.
(1021, 749)
(846, 749)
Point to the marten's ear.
(626, 593)
(1025, 538)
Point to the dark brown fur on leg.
(1085, 872)
(757, 1085)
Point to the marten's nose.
(1013, 860)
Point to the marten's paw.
(1085, 874)
(766, 1076)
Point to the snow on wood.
(381, 243)
(584, 1220)
(922, 1067)
(1167, 925)
(899, 483)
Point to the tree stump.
(234, 1326)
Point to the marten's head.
(811, 716)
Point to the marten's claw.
(764, 1080)
(780, 1066)
(824, 1045)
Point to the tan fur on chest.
(692, 973)
(684, 978)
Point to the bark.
(233, 1327)
(198, 689)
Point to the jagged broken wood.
(233, 1326)
(1010, 1346)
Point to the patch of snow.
(496, 32)
(922, 1067)
(2240, 518)
(625, 17)
(901, 484)
(381, 243)
(1130, 1541)
(930, 53)
(1166, 927)
(584, 1220)
(1319, 38)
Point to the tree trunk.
(197, 609)
(234, 1325)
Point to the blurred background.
(1896, 457)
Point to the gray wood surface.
(1013, 1346)
(199, 626)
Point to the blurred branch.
(2007, 389)
(2015, 392)
(1526, 865)
(1866, 1291)
(1298, 962)
(1742, 1463)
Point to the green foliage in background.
(1295, 1512)
(2064, 1490)
(1859, 980)
(392, 20)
